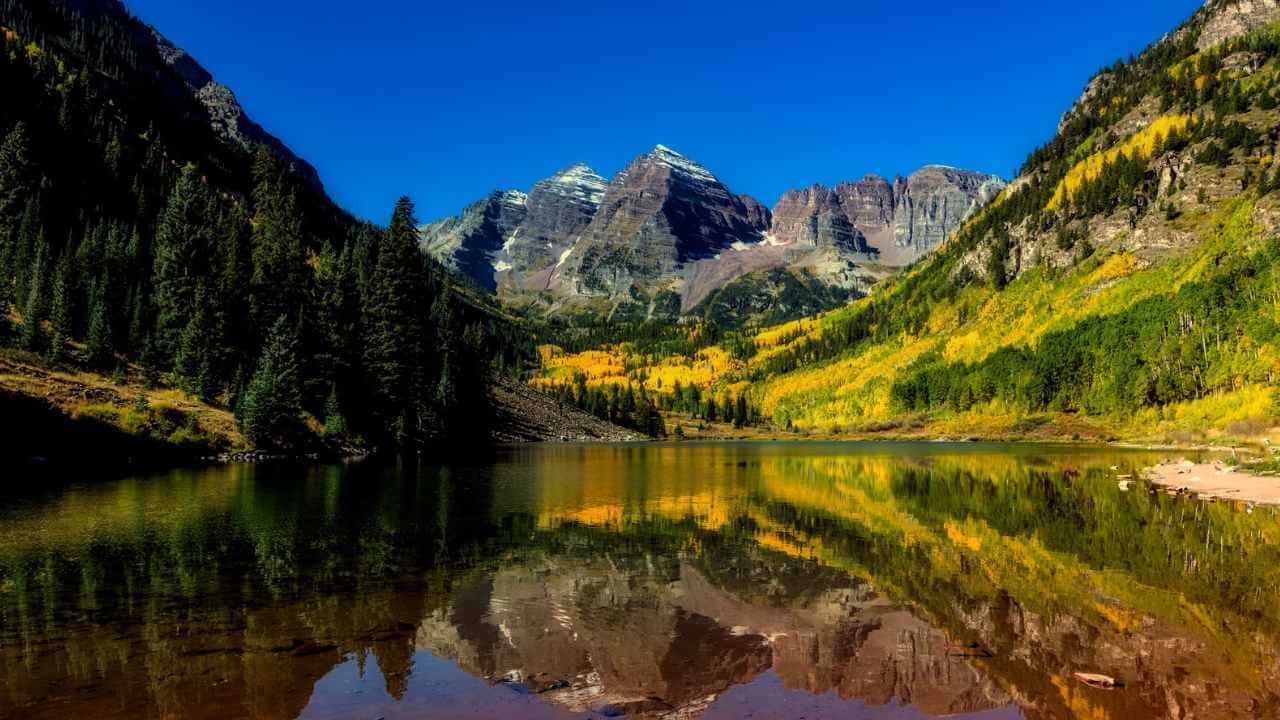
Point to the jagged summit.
(663, 155)
(667, 232)
(898, 222)
(578, 180)
(515, 197)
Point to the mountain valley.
(1124, 285)
(1121, 286)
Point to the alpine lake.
(683, 580)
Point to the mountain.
(223, 112)
(468, 243)
(666, 238)
(1122, 285)
(662, 212)
(895, 224)
(147, 73)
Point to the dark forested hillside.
(140, 239)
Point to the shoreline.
(1218, 480)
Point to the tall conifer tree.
(394, 329)
(278, 279)
(180, 256)
(272, 402)
(33, 310)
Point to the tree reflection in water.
(656, 581)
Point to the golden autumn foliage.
(1139, 145)
(619, 365)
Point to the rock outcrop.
(225, 115)
(815, 217)
(559, 208)
(469, 243)
(1232, 18)
(892, 224)
(911, 218)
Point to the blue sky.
(446, 101)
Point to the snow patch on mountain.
(511, 242)
(681, 164)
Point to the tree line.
(623, 406)
(641, 410)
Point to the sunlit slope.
(1125, 285)
(855, 388)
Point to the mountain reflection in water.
(657, 581)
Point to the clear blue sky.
(445, 101)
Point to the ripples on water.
(660, 581)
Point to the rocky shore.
(1218, 480)
(526, 415)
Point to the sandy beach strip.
(1220, 480)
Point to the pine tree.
(15, 189)
(446, 399)
(150, 361)
(230, 286)
(33, 311)
(364, 259)
(179, 258)
(394, 329)
(25, 247)
(277, 282)
(272, 402)
(997, 271)
(473, 382)
(16, 181)
(195, 362)
(330, 320)
(120, 376)
(335, 423)
(61, 309)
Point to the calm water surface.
(657, 581)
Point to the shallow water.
(682, 581)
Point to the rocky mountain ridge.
(1175, 178)
(896, 223)
(665, 235)
(226, 116)
(140, 70)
